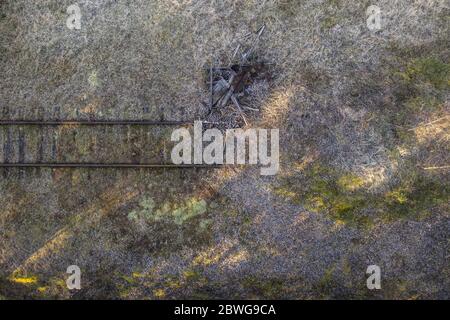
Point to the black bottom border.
(245, 309)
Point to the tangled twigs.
(230, 83)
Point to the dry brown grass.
(370, 108)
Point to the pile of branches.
(229, 85)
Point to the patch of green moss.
(423, 102)
(430, 70)
(169, 225)
(177, 213)
(350, 182)
(415, 198)
(172, 282)
(325, 190)
(422, 86)
(420, 80)
(33, 286)
(349, 211)
(342, 197)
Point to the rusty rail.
(108, 165)
(92, 123)
(100, 165)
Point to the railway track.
(120, 144)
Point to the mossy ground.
(344, 198)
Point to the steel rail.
(109, 165)
(92, 122)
